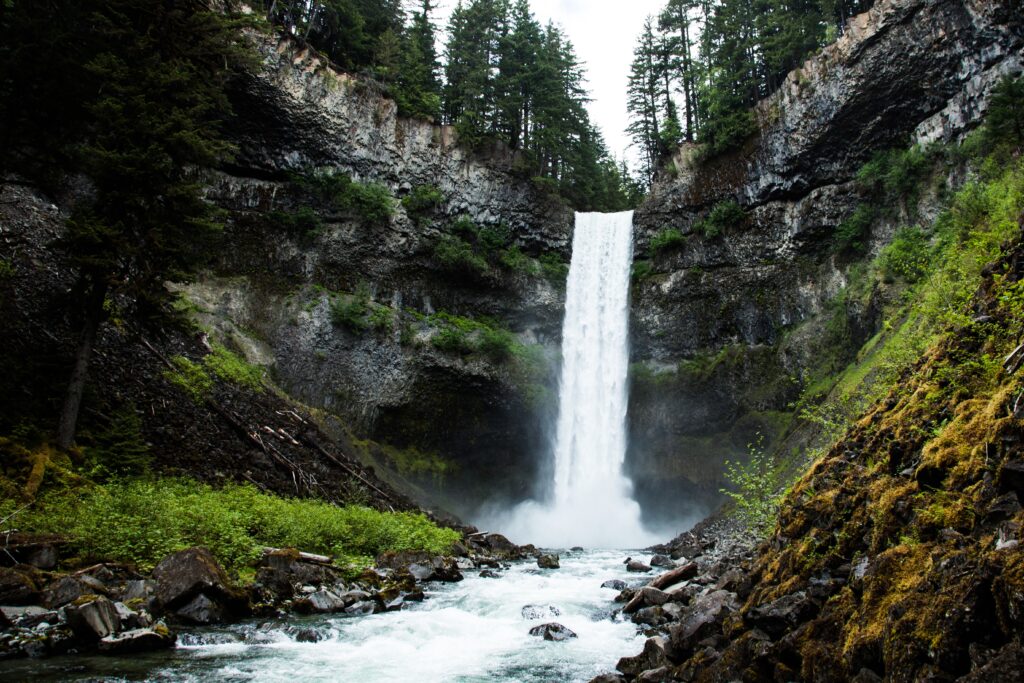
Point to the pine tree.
(644, 98)
(148, 104)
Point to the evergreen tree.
(645, 92)
(147, 104)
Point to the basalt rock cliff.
(729, 321)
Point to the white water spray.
(591, 502)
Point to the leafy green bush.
(372, 201)
(756, 488)
(554, 268)
(117, 449)
(422, 200)
(496, 344)
(452, 340)
(381, 319)
(304, 221)
(906, 256)
(642, 270)
(142, 521)
(351, 312)
(895, 173)
(852, 234)
(493, 238)
(722, 216)
(514, 259)
(457, 255)
(667, 239)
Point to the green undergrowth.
(141, 521)
(198, 379)
(318, 192)
(926, 276)
(480, 253)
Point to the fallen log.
(686, 571)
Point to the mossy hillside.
(917, 504)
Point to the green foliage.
(1005, 119)
(382, 319)
(495, 343)
(357, 313)
(142, 521)
(7, 270)
(117, 449)
(372, 201)
(642, 270)
(422, 200)
(907, 256)
(190, 377)
(852, 234)
(667, 240)
(230, 367)
(756, 488)
(457, 255)
(724, 215)
(452, 340)
(554, 268)
(304, 221)
(895, 173)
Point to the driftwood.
(1013, 362)
(304, 557)
(687, 571)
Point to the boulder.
(34, 550)
(131, 619)
(436, 569)
(650, 616)
(202, 610)
(548, 561)
(540, 611)
(783, 614)
(489, 574)
(662, 561)
(322, 601)
(17, 587)
(362, 608)
(181, 576)
(64, 590)
(139, 589)
(637, 566)
(93, 617)
(701, 619)
(652, 657)
(614, 584)
(659, 675)
(552, 631)
(137, 640)
(608, 678)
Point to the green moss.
(232, 368)
(723, 216)
(190, 377)
(667, 240)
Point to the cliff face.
(728, 323)
(451, 419)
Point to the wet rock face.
(743, 305)
(295, 114)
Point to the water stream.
(468, 632)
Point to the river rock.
(137, 640)
(659, 675)
(17, 587)
(192, 584)
(308, 635)
(202, 610)
(322, 601)
(650, 616)
(663, 562)
(548, 561)
(540, 611)
(362, 608)
(637, 566)
(64, 590)
(608, 678)
(652, 657)
(701, 619)
(489, 574)
(93, 617)
(552, 631)
(614, 584)
(783, 614)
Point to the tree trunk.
(76, 385)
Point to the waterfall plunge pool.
(471, 631)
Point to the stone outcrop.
(270, 293)
(725, 323)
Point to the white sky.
(604, 33)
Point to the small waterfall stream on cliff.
(591, 503)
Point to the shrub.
(756, 488)
(496, 343)
(452, 340)
(372, 202)
(642, 270)
(493, 238)
(142, 521)
(553, 267)
(381, 319)
(906, 256)
(852, 233)
(119, 448)
(303, 221)
(722, 216)
(457, 255)
(422, 200)
(514, 259)
(667, 239)
(350, 312)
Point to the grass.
(142, 521)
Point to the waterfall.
(591, 500)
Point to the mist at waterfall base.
(590, 500)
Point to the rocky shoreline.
(113, 609)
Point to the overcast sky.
(603, 33)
